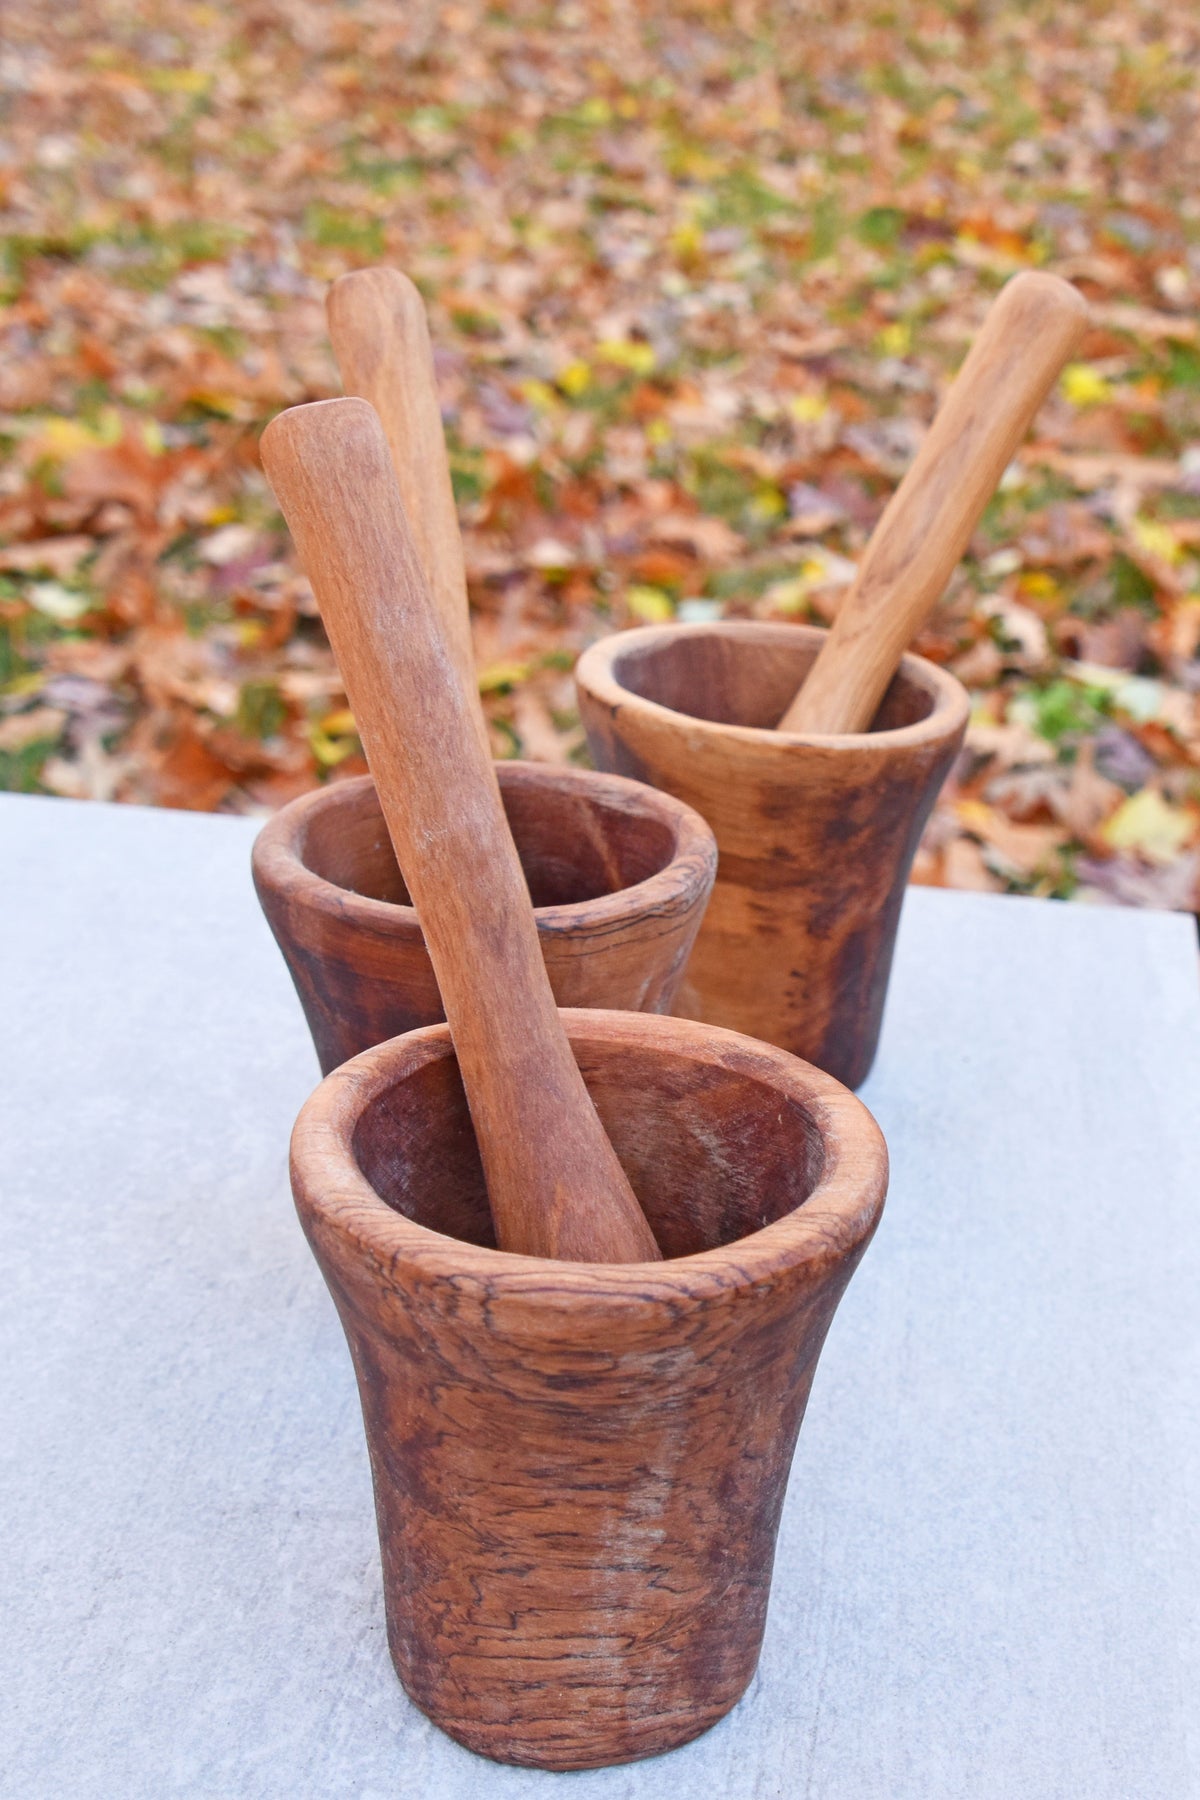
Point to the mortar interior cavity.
(573, 846)
(729, 679)
(713, 1154)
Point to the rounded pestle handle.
(554, 1182)
(380, 337)
(1031, 330)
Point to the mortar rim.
(596, 675)
(685, 879)
(834, 1221)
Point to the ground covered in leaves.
(697, 275)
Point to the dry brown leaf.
(59, 557)
(963, 866)
(42, 724)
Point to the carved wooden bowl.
(579, 1468)
(816, 834)
(619, 877)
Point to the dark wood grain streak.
(816, 835)
(579, 1470)
(619, 875)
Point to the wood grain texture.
(380, 338)
(555, 1185)
(1033, 327)
(815, 836)
(619, 875)
(579, 1471)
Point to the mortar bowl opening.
(713, 1153)
(730, 676)
(575, 842)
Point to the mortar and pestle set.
(586, 1259)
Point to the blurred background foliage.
(697, 276)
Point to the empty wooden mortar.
(816, 835)
(619, 877)
(578, 1467)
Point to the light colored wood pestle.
(554, 1182)
(1034, 325)
(380, 338)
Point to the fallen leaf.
(54, 601)
(649, 605)
(59, 557)
(963, 866)
(227, 544)
(541, 740)
(1150, 826)
(1125, 881)
(41, 725)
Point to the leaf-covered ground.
(697, 275)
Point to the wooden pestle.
(554, 1182)
(1031, 330)
(380, 338)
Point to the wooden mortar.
(579, 1468)
(619, 877)
(816, 835)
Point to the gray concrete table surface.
(988, 1571)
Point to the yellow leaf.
(695, 164)
(1084, 387)
(768, 503)
(595, 111)
(636, 357)
(340, 723)
(539, 394)
(896, 340)
(975, 815)
(687, 240)
(650, 605)
(328, 751)
(808, 408)
(1158, 539)
(501, 675)
(230, 406)
(1149, 826)
(574, 379)
(61, 439)
(658, 432)
(1038, 585)
(179, 81)
(788, 596)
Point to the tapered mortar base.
(579, 1468)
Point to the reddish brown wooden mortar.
(579, 1468)
(816, 834)
(619, 877)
